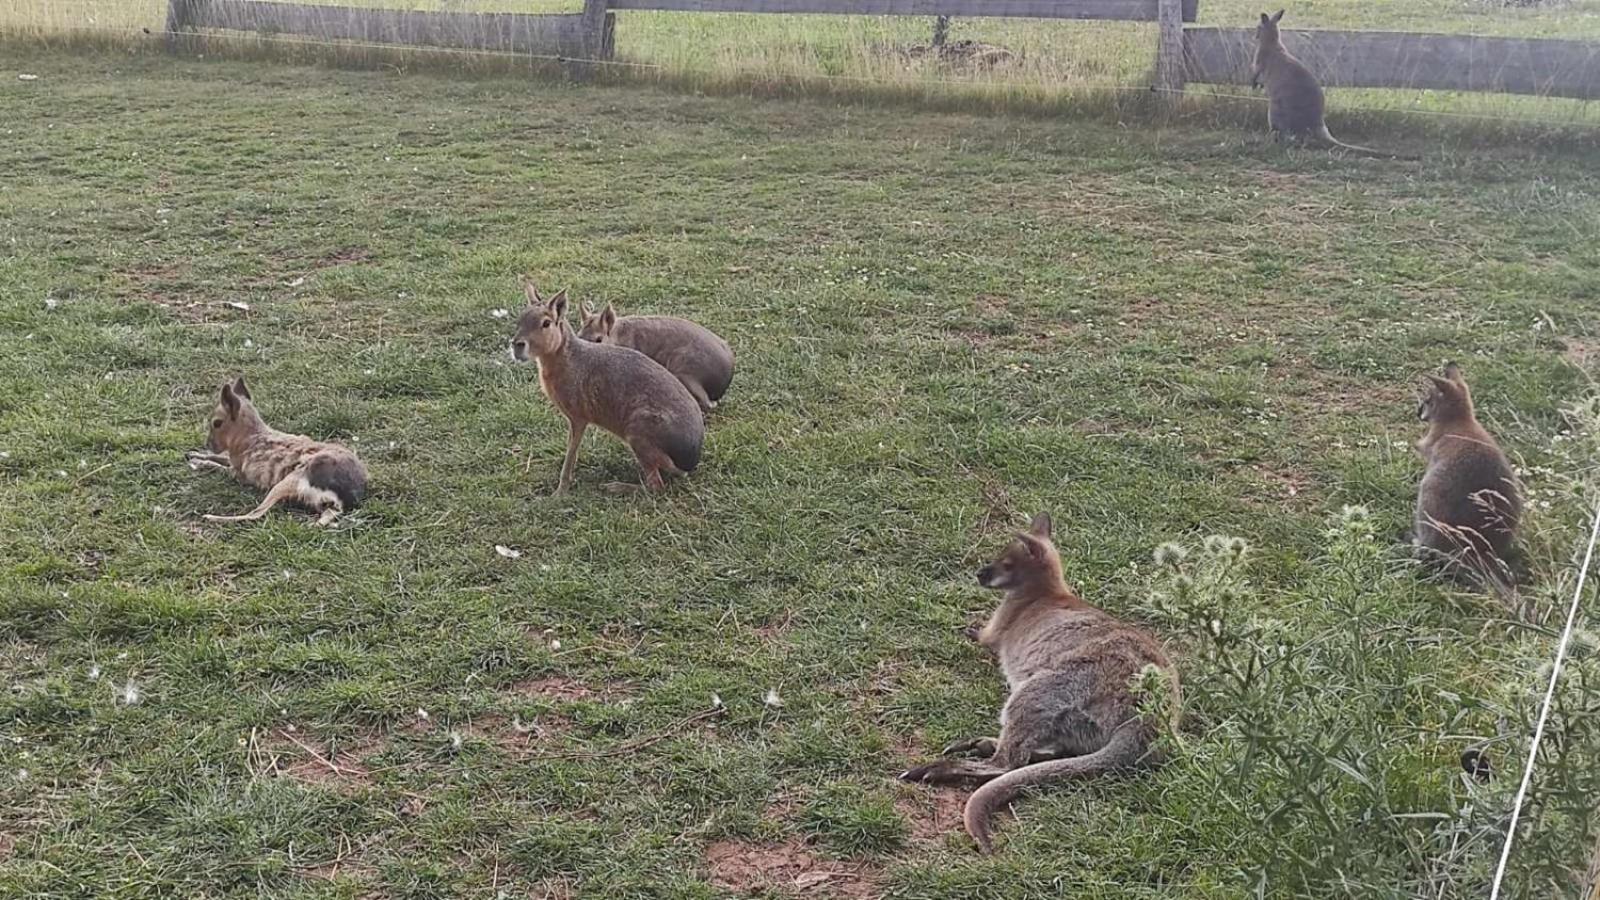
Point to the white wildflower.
(772, 700)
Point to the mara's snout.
(986, 576)
(519, 351)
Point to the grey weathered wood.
(1169, 50)
(179, 16)
(1126, 10)
(1453, 62)
(557, 35)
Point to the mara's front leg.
(575, 431)
(202, 460)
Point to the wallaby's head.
(542, 328)
(1267, 30)
(1445, 399)
(1029, 561)
(597, 325)
(234, 419)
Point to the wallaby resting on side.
(1071, 668)
(1294, 98)
(1468, 504)
(621, 390)
(695, 354)
(325, 478)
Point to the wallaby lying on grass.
(695, 354)
(621, 390)
(325, 478)
(1295, 102)
(1468, 504)
(1073, 711)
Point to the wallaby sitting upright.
(325, 478)
(1294, 98)
(621, 390)
(1468, 503)
(1073, 711)
(695, 354)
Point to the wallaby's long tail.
(1126, 747)
(1330, 142)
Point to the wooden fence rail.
(1556, 68)
(1452, 62)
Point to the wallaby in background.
(324, 478)
(1468, 504)
(694, 354)
(1073, 711)
(621, 390)
(1294, 98)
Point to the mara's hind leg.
(698, 391)
(290, 488)
(652, 462)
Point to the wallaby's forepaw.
(983, 746)
(918, 774)
(971, 630)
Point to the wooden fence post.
(180, 16)
(597, 25)
(1169, 52)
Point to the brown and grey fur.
(1295, 103)
(326, 479)
(1469, 503)
(693, 353)
(1073, 711)
(621, 390)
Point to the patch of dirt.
(932, 812)
(560, 689)
(305, 759)
(1291, 484)
(8, 845)
(344, 256)
(788, 868)
(512, 734)
(1583, 353)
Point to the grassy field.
(943, 322)
(1057, 63)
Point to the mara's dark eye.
(545, 324)
(216, 423)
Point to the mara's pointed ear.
(585, 310)
(1040, 526)
(558, 306)
(230, 400)
(240, 389)
(608, 316)
(531, 292)
(1453, 372)
(1443, 384)
(1277, 17)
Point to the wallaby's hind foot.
(954, 771)
(982, 746)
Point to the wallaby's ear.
(1265, 20)
(558, 306)
(608, 317)
(1453, 372)
(1040, 526)
(1277, 17)
(531, 292)
(230, 400)
(240, 389)
(586, 311)
(1444, 385)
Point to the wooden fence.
(1205, 55)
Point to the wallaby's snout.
(986, 576)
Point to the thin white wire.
(1544, 711)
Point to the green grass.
(943, 322)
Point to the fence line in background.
(1534, 66)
